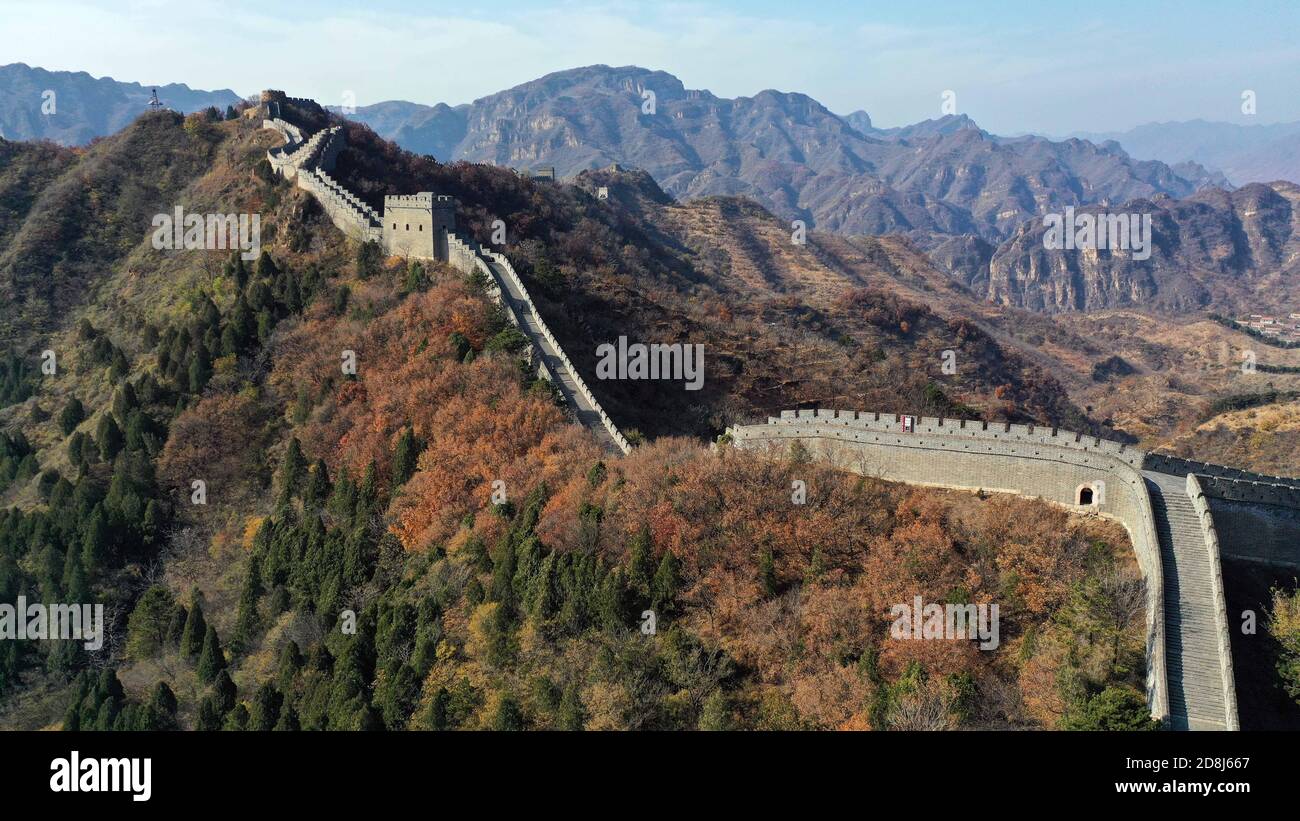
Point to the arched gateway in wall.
(1169, 506)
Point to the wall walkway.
(1169, 506)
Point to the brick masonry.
(1244, 515)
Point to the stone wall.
(1181, 467)
(581, 385)
(291, 133)
(1202, 507)
(345, 215)
(467, 257)
(1254, 532)
(417, 225)
(1243, 515)
(1026, 460)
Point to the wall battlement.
(1243, 515)
(1218, 480)
(545, 351)
(415, 226)
(424, 198)
(1040, 462)
(422, 226)
(1006, 432)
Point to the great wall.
(1182, 516)
(422, 226)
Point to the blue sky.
(1046, 67)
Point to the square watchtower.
(416, 225)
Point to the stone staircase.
(466, 255)
(562, 373)
(308, 162)
(1198, 696)
(367, 213)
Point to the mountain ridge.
(784, 149)
(85, 107)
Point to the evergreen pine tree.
(124, 401)
(107, 715)
(211, 658)
(95, 541)
(506, 715)
(71, 558)
(247, 621)
(162, 705)
(437, 718)
(613, 604)
(288, 720)
(663, 590)
(641, 566)
(292, 294)
(317, 491)
(570, 714)
(405, 456)
(73, 414)
(224, 692)
(369, 490)
(196, 628)
(266, 708)
(239, 270)
(75, 587)
(266, 268)
(176, 628)
(89, 451)
(72, 717)
(290, 663)
(118, 366)
(292, 470)
(75, 446)
(200, 370)
(209, 718)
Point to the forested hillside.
(826, 321)
(429, 542)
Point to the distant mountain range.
(971, 200)
(84, 107)
(784, 150)
(1244, 153)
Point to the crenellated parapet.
(1083, 473)
(1242, 515)
(415, 226)
(990, 435)
(506, 287)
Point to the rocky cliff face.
(1239, 250)
(785, 150)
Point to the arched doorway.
(1085, 495)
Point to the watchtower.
(416, 225)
